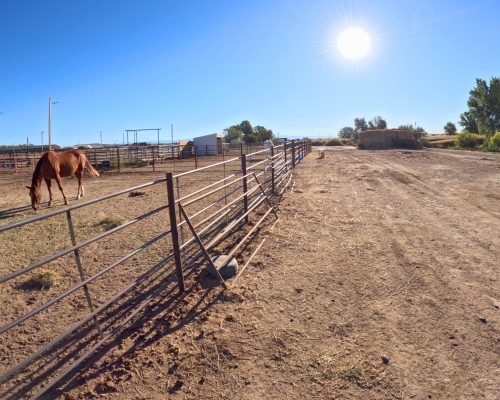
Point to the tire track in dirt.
(433, 276)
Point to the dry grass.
(110, 222)
(41, 280)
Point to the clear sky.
(204, 65)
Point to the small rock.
(299, 290)
(106, 387)
(228, 271)
(385, 360)
(483, 319)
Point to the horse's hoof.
(50, 204)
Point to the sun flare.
(354, 43)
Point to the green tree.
(484, 106)
(413, 128)
(346, 133)
(450, 128)
(468, 123)
(377, 123)
(248, 133)
(233, 132)
(360, 124)
(261, 133)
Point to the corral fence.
(127, 158)
(237, 205)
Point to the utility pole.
(50, 121)
(41, 134)
(172, 133)
(50, 114)
(100, 134)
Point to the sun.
(354, 43)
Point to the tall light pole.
(100, 134)
(50, 119)
(41, 134)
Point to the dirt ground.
(379, 281)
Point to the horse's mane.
(37, 174)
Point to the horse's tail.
(91, 170)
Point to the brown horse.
(54, 165)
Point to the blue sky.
(204, 65)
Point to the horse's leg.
(49, 186)
(59, 183)
(79, 175)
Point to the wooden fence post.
(245, 183)
(293, 153)
(174, 231)
(195, 158)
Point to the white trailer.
(208, 145)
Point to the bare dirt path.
(380, 281)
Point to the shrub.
(494, 142)
(318, 142)
(467, 141)
(334, 142)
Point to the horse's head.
(36, 196)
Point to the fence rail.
(212, 213)
(130, 157)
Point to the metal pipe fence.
(127, 158)
(219, 208)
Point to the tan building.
(378, 139)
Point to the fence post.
(286, 158)
(118, 157)
(80, 268)
(293, 153)
(174, 231)
(153, 150)
(245, 183)
(272, 169)
(241, 148)
(195, 158)
(15, 164)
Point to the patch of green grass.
(41, 280)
